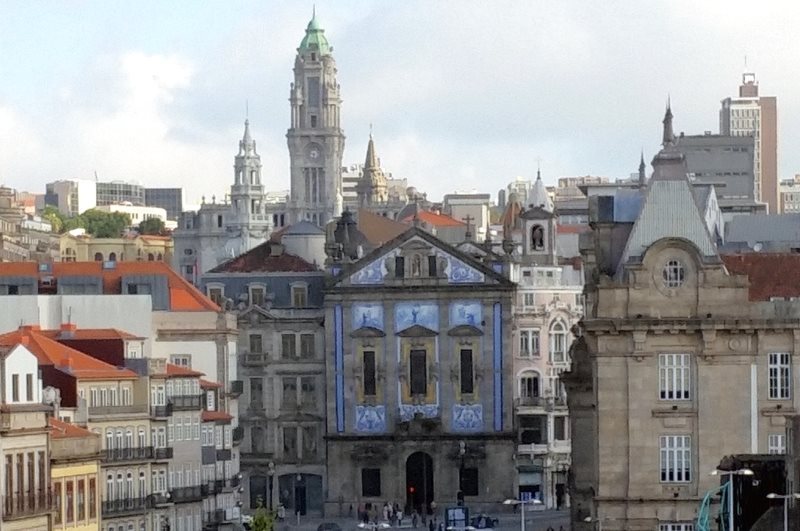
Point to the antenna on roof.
(96, 178)
(69, 315)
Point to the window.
(15, 387)
(779, 375)
(92, 498)
(57, 505)
(289, 393)
(419, 372)
(528, 343)
(110, 487)
(777, 444)
(529, 385)
(537, 237)
(81, 499)
(69, 502)
(399, 267)
(467, 379)
(371, 482)
(370, 384)
(674, 376)
(528, 299)
(313, 120)
(216, 293)
(290, 442)
(676, 458)
(257, 296)
(560, 428)
(256, 346)
(676, 527)
(288, 346)
(307, 346)
(299, 296)
(673, 274)
(468, 481)
(533, 429)
(256, 390)
(182, 360)
(558, 342)
(29, 387)
(308, 391)
(432, 266)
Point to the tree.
(56, 219)
(105, 224)
(152, 227)
(263, 520)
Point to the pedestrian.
(414, 519)
(431, 526)
(399, 518)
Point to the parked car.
(329, 526)
(483, 521)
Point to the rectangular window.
(308, 391)
(419, 372)
(399, 267)
(288, 346)
(58, 507)
(307, 346)
(257, 296)
(29, 387)
(529, 387)
(289, 393)
(528, 343)
(371, 482)
(299, 297)
(560, 428)
(92, 498)
(370, 387)
(674, 372)
(290, 442)
(256, 390)
(81, 499)
(15, 387)
(468, 481)
(313, 91)
(432, 266)
(215, 294)
(256, 346)
(69, 502)
(676, 458)
(467, 380)
(779, 376)
(777, 444)
(528, 299)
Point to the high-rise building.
(117, 192)
(71, 197)
(315, 138)
(752, 115)
(170, 199)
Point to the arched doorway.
(419, 481)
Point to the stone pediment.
(417, 331)
(464, 331)
(367, 331)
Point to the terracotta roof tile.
(66, 359)
(176, 371)
(378, 229)
(268, 257)
(205, 384)
(437, 220)
(65, 430)
(216, 416)
(770, 274)
(89, 334)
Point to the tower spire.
(642, 170)
(668, 136)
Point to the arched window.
(558, 341)
(530, 387)
(150, 257)
(537, 238)
(112, 257)
(98, 257)
(160, 257)
(69, 254)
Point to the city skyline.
(162, 101)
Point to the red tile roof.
(269, 257)
(66, 359)
(770, 274)
(437, 220)
(88, 333)
(65, 430)
(216, 416)
(177, 371)
(183, 296)
(205, 384)
(378, 229)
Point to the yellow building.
(140, 248)
(74, 469)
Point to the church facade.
(419, 387)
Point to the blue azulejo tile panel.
(369, 274)
(371, 419)
(466, 313)
(460, 273)
(467, 417)
(367, 315)
(408, 314)
(426, 411)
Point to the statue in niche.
(416, 266)
(537, 238)
(389, 265)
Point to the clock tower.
(315, 138)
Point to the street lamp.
(271, 474)
(522, 504)
(785, 498)
(731, 473)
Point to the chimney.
(66, 362)
(29, 327)
(68, 330)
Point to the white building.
(136, 213)
(72, 197)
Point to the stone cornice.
(677, 325)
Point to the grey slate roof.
(763, 228)
(303, 228)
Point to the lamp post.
(271, 474)
(785, 498)
(731, 473)
(522, 504)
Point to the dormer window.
(673, 274)
(299, 296)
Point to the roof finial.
(313, 10)
(538, 168)
(668, 137)
(642, 170)
(370, 130)
(246, 109)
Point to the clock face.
(314, 152)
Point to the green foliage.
(51, 214)
(152, 227)
(96, 222)
(263, 520)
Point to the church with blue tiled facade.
(419, 378)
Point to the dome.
(411, 192)
(315, 38)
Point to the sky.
(462, 94)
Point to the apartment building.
(27, 499)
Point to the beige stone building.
(686, 356)
(139, 248)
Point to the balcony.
(254, 359)
(224, 455)
(118, 455)
(235, 481)
(25, 505)
(186, 402)
(160, 412)
(125, 506)
(531, 401)
(237, 387)
(532, 449)
(186, 494)
(115, 411)
(162, 454)
(160, 499)
(238, 434)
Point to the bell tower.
(315, 138)
(248, 214)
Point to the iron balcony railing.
(27, 504)
(125, 506)
(161, 411)
(162, 454)
(117, 455)
(184, 402)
